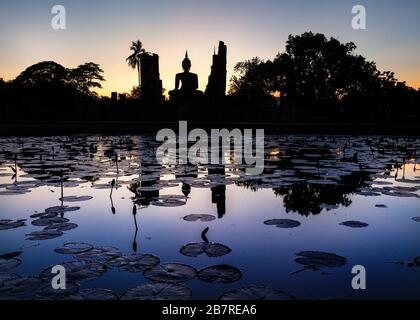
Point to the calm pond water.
(280, 231)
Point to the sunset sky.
(101, 31)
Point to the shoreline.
(138, 127)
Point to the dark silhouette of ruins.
(292, 88)
(216, 87)
(190, 103)
(151, 85)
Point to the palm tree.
(134, 59)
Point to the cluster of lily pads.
(312, 174)
(167, 280)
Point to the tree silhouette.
(320, 76)
(43, 73)
(86, 76)
(134, 59)
(52, 74)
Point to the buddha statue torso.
(188, 80)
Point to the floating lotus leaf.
(135, 262)
(44, 215)
(354, 224)
(172, 196)
(74, 248)
(7, 224)
(401, 194)
(169, 202)
(61, 209)
(13, 192)
(48, 293)
(43, 222)
(212, 250)
(368, 194)
(220, 273)
(283, 223)
(382, 206)
(149, 188)
(317, 259)
(5, 278)
(18, 188)
(170, 272)
(94, 295)
(158, 291)
(76, 198)
(8, 264)
(44, 235)
(15, 286)
(253, 293)
(62, 226)
(10, 255)
(200, 217)
(77, 271)
(103, 254)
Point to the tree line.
(315, 79)
(322, 78)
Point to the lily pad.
(77, 271)
(158, 291)
(382, 206)
(7, 224)
(318, 259)
(8, 264)
(44, 235)
(74, 248)
(135, 262)
(253, 293)
(44, 215)
(354, 224)
(6, 283)
(210, 249)
(200, 217)
(169, 202)
(170, 272)
(76, 198)
(149, 188)
(283, 223)
(10, 255)
(66, 226)
(13, 192)
(48, 293)
(103, 254)
(61, 209)
(94, 295)
(20, 287)
(43, 222)
(220, 273)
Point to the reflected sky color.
(101, 31)
(264, 254)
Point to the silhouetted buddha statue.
(186, 83)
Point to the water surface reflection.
(132, 228)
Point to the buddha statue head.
(186, 63)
